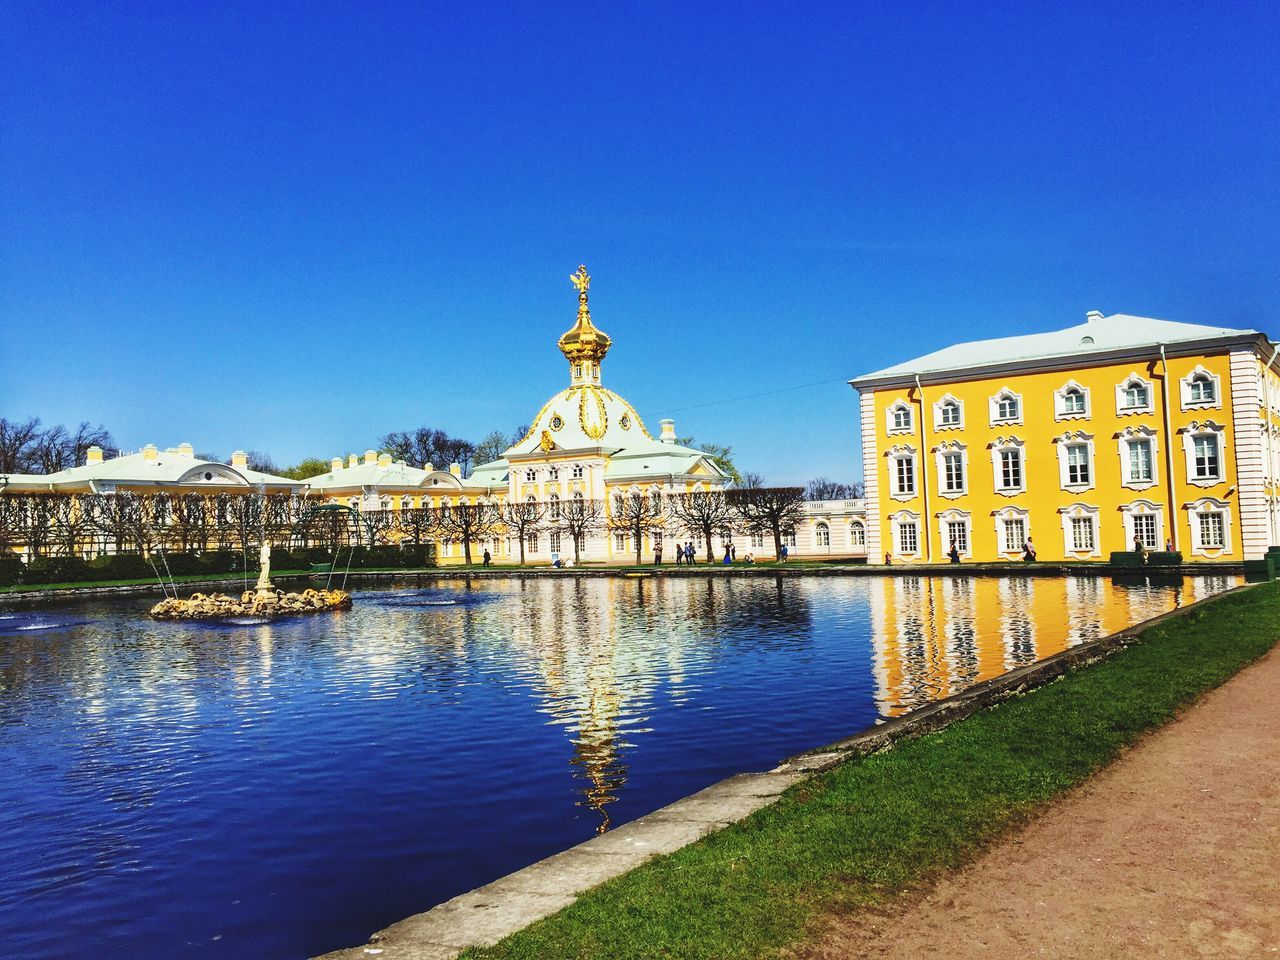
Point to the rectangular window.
(1140, 465)
(958, 534)
(788, 540)
(1078, 463)
(1212, 532)
(620, 541)
(906, 477)
(1135, 396)
(1082, 533)
(757, 541)
(1010, 469)
(953, 472)
(531, 542)
(1144, 530)
(1007, 409)
(555, 541)
(902, 419)
(1206, 449)
(950, 414)
(1073, 402)
(1015, 534)
(908, 540)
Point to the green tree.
(306, 469)
(721, 456)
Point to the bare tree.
(820, 488)
(774, 509)
(467, 523)
(702, 514)
(522, 519)
(580, 518)
(18, 441)
(751, 481)
(636, 514)
(417, 525)
(429, 446)
(72, 525)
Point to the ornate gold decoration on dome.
(592, 417)
(547, 443)
(584, 340)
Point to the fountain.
(264, 600)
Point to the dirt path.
(1173, 851)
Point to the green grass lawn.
(869, 828)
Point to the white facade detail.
(1139, 457)
(948, 413)
(871, 474)
(1005, 407)
(1144, 518)
(1081, 531)
(1135, 395)
(1071, 402)
(954, 529)
(1076, 467)
(951, 460)
(1200, 390)
(1013, 530)
(1009, 466)
(1210, 527)
(1246, 415)
(1204, 447)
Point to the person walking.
(487, 558)
(688, 553)
(728, 555)
(657, 552)
(1028, 551)
(954, 553)
(783, 557)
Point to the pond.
(276, 790)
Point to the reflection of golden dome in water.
(584, 341)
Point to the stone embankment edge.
(708, 570)
(496, 910)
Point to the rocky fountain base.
(251, 603)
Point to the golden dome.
(583, 341)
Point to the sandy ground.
(1173, 851)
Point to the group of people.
(684, 553)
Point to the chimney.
(352, 460)
(186, 450)
(668, 431)
(150, 452)
(335, 464)
(371, 456)
(456, 469)
(429, 467)
(239, 459)
(384, 460)
(93, 455)
(1093, 316)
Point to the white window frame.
(577, 471)
(948, 517)
(1011, 513)
(1005, 393)
(1064, 443)
(1000, 446)
(1186, 384)
(941, 404)
(1122, 388)
(1195, 511)
(530, 475)
(898, 453)
(1081, 511)
(896, 521)
(553, 541)
(857, 534)
(951, 448)
(1127, 436)
(1143, 508)
(1060, 411)
(891, 425)
(1195, 431)
(821, 531)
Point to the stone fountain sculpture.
(264, 600)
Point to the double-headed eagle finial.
(581, 280)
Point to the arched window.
(950, 414)
(553, 474)
(555, 507)
(857, 534)
(530, 475)
(900, 417)
(823, 533)
(1073, 401)
(577, 471)
(406, 503)
(1202, 389)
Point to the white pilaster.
(1246, 413)
(871, 477)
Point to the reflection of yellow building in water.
(1080, 440)
(936, 636)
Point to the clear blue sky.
(295, 227)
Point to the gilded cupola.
(584, 344)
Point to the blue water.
(276, 790)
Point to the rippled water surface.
(275, 790)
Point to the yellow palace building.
(586, 443)
(1077, 442)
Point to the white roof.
(1098, 334)
(157, 468)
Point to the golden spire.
(584, 340)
